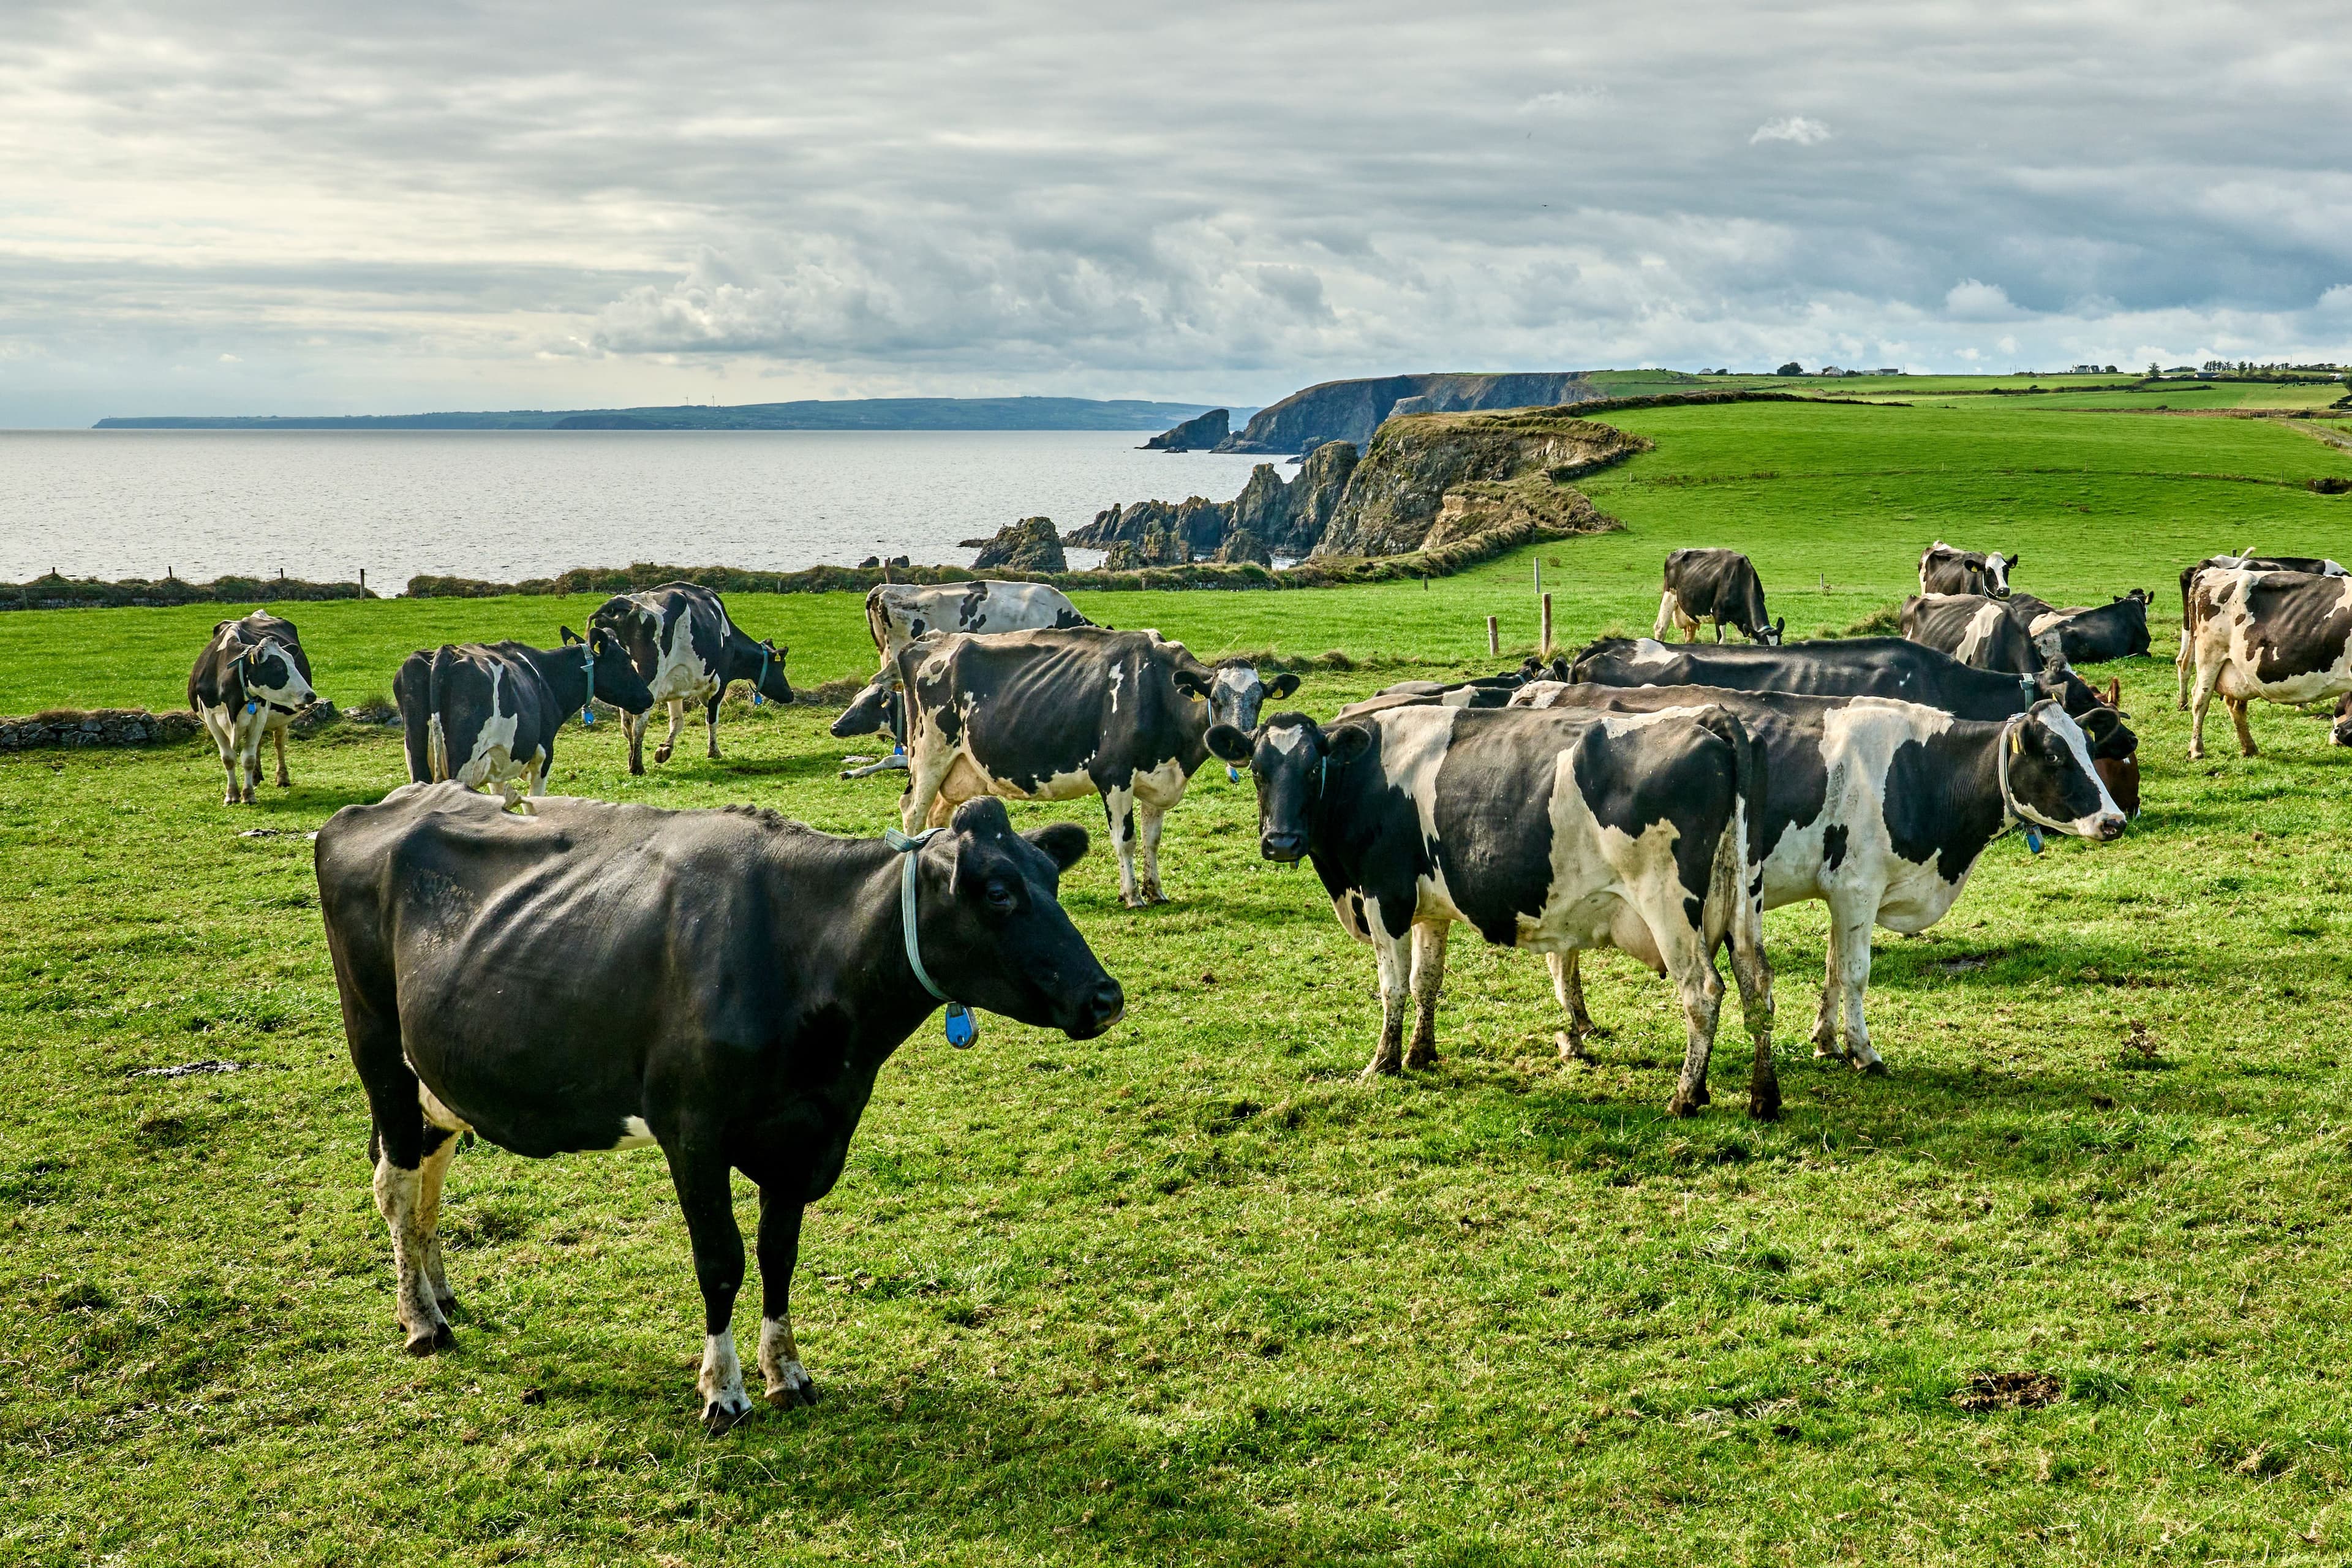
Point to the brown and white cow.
(2283, 636)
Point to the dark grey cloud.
(469, 204)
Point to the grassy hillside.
(1190, 1292)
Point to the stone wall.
(71, 729)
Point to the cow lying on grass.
(723, 985)
(1979, 632)
(2283, 636)
(487, 714)
(1878, 809)
(1062, 714)
(1946, 569)
(1547, 831)
(248, 683)
(2088, 634)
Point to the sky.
(250, 207)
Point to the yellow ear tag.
(2017, 742)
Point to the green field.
(1190, 1292)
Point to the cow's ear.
(1065, 841)
(1228, 745)
(1282, 685)
(1194, 682)
(1348, 744)
(568, 635)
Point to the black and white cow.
(2087, 634)
(1062, 714)
(2185, 660)
(1875, 666)
(1944, 569)
(688, 650)
(724, 986)
(1878, 809)
(485, 714)
(1547, 831)
(898, 613)
(249, 681)
(1977, 631)
(1720, 585)
(1478, 691)
(2283, 636)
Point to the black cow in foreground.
(1945, 570)
(1875, 666)
(1548, 831)
(248, 683)
(2283, 636)
(686, 650)
(485, 714)
(1977, 631)
(1720, 585)
(2087, 634)
(2185, 660)
(723, 985)
(1059, 715)
(1878, 809)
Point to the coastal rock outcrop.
(1430, 479)
(1033, 545)
(1196, 434)
(1352, 410)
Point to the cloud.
(1795, 128)
(535, 206)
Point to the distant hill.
(848, 414)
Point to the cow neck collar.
(588, 668)
(2014, 813)
(760, 681)
(963, 1030)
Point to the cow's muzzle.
(1098, 1012)
(1283, 846)
(2109, 826)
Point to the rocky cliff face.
(1033, 545)
(1196, 434)
(1269, 518)
(1430, 479)
(1352, 410)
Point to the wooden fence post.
(1493, 639)
(1547, 624)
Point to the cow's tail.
(1735, 889)
(411, 693)
(878, 624)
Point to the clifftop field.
(2068, 1286)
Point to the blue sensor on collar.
(2033, 838)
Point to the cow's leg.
(1428, 979)
(1667, 617)
(1148, 818)
(2200, 697)
(789, 1383)
(2182, 662)
(224, 733)
(710, 720)
(1852, 936)
(705, 1197)
(402, 1156)
(1719, 629)
(285, 779)
(430, 1177)
(1568, 986)
(1393, 955)
(1118, 807)
(1753, 971)
(1825, 1016)
(248, 753)
(2238, 717)
(1701, 990)
(633, 725)
(677, 706)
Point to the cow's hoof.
(793, 1392)
(1764, 1102)
(1571, 1049)
(721, 1413)
(1416, 1061)
(1378, 1068)
(1873, 1067)
(232, 798)
(1687, 1104)
(247, 798)
(426, 1342)
(662, 756)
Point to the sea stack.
(1196, 434)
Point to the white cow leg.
(633, 729)
(1825, 1016)
(2201, 699)
(2181, 664)
(1149, 820)
(1568, 988)
(1666, 607)
(1753, 971)
(677, 706)
(1393, 956)
(710, 722)
(720, 1383)
(1428, 980)
(285, 778)
(248, 754)
(1118, 809)
(789, 1383)
(1701, 990)
(223, 735)
(428, 1221)
(2238, 717)
(1853, 938)
(398, 1196)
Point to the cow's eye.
(1001, 898)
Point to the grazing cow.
(686, 649)
(2283, 636)
(1549, 831)
(1944, 569)
(487, 714)
(2185, 660)
(249, 681)
(1878, 809)
(1875, 666)
(1060, 714)
(1720, 585)
(898, 613)
(1479, 691)
(1977, 631)
(2087, 634)
(723, 985)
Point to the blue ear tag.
(1232, 774)
(963, 1029)
(2033, 838)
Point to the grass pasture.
(1190, 1292)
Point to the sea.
(504, 505)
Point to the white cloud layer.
(269, 207)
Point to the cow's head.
(1233, 690)
(1291, 758)
(2115, 753)
(993, 933)
(869, 710)
(1997, 568)
(616, 680)
(1772, 634)
(767, 675)
(2340, 733)
(637, 629)
(270, 675)
(2051, 779)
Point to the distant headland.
(846, 414)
